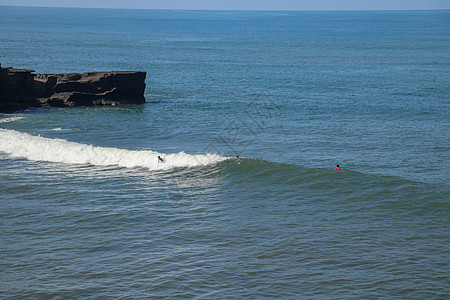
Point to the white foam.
(10, 119)
(37, 148)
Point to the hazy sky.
(242, 4)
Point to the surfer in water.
(160, 159)
(337, 167)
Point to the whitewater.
(36, 148)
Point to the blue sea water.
(87, 212)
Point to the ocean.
(86, 210)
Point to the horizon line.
(230, 9)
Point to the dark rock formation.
(20, 89)
(16, 90)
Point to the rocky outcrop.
(21, 88)
(16, 90)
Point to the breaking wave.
(36, 148)
(10, 119)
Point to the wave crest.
(10, 119)
(36, 148)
